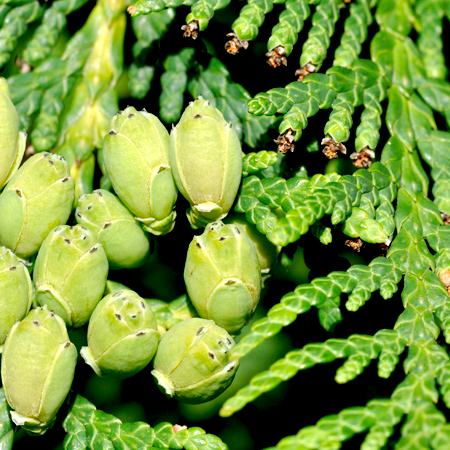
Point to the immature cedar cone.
(223, 276)
(122, 335)
(16, 292)
(12, 143)
(38, 198)
(192, 362)
(206, 157)
(38, 365)
(125, 243)
(136, 158)
(70, 273)
(266, 251)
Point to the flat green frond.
(331, 431)
(358, 349)
(359, 281)
(90, 428)
(254, 162)
(291, 21)
(355, 32)
(314, 50)
(173, 84)
(15, 24)
(47, 33)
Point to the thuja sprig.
(202, 11)
(285, 33)
(340, 88)
(314, 50)
(359, 281)
(246, 26)
(147, 29)
(174, 83)
(355, 33)
(15, 24)
(47, 33)
(89, 428)
(305, 202)
(359, 350)
(430, 37)
(255, 162)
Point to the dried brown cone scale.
(445, 218)
(191, 29)
(306, 70)
(363, 158)
(332, 148)
(277, 57)
(235, 44)
(355, 244)
(286, 141)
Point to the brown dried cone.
(191, 30)
(332, 148)
(234, 45)
(445, 218)
(277, 57)
(363, 158)
(355, 244)
(306, 70)
(286, 141)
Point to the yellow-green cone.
(12, 143)
(206, 158)
(38, 198)
(70, 273)
(125, 243)
(136, 159)
(192, 362)
(122, 335)
(223, 275)
(16, 292)
(38, 365)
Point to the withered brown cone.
(235, 44)
(277, 57)
(355, 244)
(306, 70)
(332, 148)
(363, 158)
(286, 141)
(191, 30)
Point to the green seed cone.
(12, 143)
(223, 276)
(16, 292)
(136, 159)
(38, 365)
(267, 252)
(192, 362)
(38, 198)
(206, 158)
(70, 273)
(169, 314)
(125, 243)
(122, 335)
